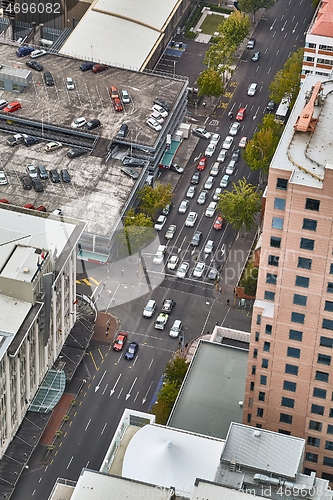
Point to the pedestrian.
(108, 323)
(122, 272)
(208, 332)
(228, 302)
(137, 273)
(220, 290)
(204, 104)
(231, 115)
(216, 324)
(107, 331)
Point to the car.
(12, 106)
(161, 321)
(199, 269)
(99, 68)
(171, 232)
(125, 97)
(252, 89)
(270, 105)
(29, 206)
(191, 219)
(209, 182)
(31, 171)
(210, 149)
(3, 200)
(130, 172)
(215, 139)
(202, 198)
(211, 209)
(196, 238)
(195, 178)
(149, 309)
(216, 194)
(158, 258)
(37, 53)
(213, 274)
(202, 163)
(87, 66)
(65, 175)
(228, 142)
(182, 270)
(34, 65)
(92, 124)
(173, 261)
(168, 305)
(209, 246)
(120, 341)
(79, 122)
(3, 103)
(52, 146)
(30, 141)
(131, 350)
(48, 79)
(231, 167)
(57, 211)
(191, 192)
(160, 110)
(123, 131)
(37, 185)
(70, 83)
(114, 92)
(166, 209)
(214, 171)
(234, 128)
(163, 103)
(26, 182)
(135, 162)
(176, 329)
(255, 57)
(160, 223)
(218, 224)
(16, 139)
(224, 181)
(42, 172)
(183, 206)
(24, 50)
(177, 168)
(3, 178)
(76, 152)
(117, 105)
(235, 155)
(41, 208)
(202, 133)
(242, 142)
(159, 118)
(251, 43)
(154, 125)
(222, 155)
(54, 175)
(240, 115)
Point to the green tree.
(219, 57)
(210, 83)
(165, 401)
(250, 279)
(137, 231)
(235, 28)
(153, 199)
(175, 371)
(254, 5)
(315, 3)
(287, 81)
(240, 205)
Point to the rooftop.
(323, 24)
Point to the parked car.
(70, 83)
(12, 106)
(202, 163)
(209, 246)
(34, 65)
(120, 341)
(199, 269)
(26, 182)
(99, 68)
(171, 232)
(182, 270)
(65, 175)
(183, 206)
(16, 139)
(251, 43)
(31, 171)
(30, 141)
(87, 66)
(240, 115)
(202, 198)
(201, 132)
(125, 97)
(37, 53)
(234, 128)
(177, 168)
(154, 125)
(242, 142)
(114, 92)
(160, 110)
(210, 149)
(133, 174)
(252, 89)
(24, 50)
(123, 131)
(160, 223)
(210, 210)
(92, 124)
(163, 103)
(255, 57)
(173, 261)
(228, 142)
(54, 175)
(176, 329)
(191, 219)
(231, 167)
(37, 185)
(224, 181)
(222, 155)
(135, 162)
(79, 122)
(209, 182)
(3, 178)
(132, 349)
(52, 146)
(117, 105)
(42, 172)
(196, 238)
(195, 178)
(149, 309)
(191, 191)
(48, 79)
(76, 152)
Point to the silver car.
(190, 219)
(191, 192)
(170, 232)
(222, 155)
(183, 206)
(202, 198)
(182, 270)
(209, 182)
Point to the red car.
(241, 114)
(117, 104)
(3, 200)
(202, 163)
(98, 68)
(120, 341)
(12, 106)
(218, 224)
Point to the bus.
(283, 110)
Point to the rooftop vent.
(257, 434)
(25, 270)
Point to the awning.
(49, 392)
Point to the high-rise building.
(289, 385)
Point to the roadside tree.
(287, 81)
(175, 370)
(254, 5)
(235, 28)
(153, 199)
(210, 83)
(137, 231)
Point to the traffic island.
(105, 329)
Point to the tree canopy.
(153, 199)
(254, 5)
(210, 83)
(137, 231)
(175, 371)
(235, 28)
(287, 81)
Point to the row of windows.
(310, 204)
(305, 243)
(311, 45)
(313, 441)
(314, 425)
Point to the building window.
(329, 287)
(257, 336)
(329, 445)
(304, 263)
(311, 204)
(310, 224)
(271, 278)
(319, 393)
(322, 376)
(328, 306)
(288, 402)
(331, 269)
(258, 319)
(263, 379)
(317, 409)
(310, 45)
(251, 386)
(259, 426)
(330, 429)
(273, 260)
(250, 402)
(309, 59)
(292, 369)
(269, 295)
(289, 386)
(283, 431)
(255, 353)
(311, 457)
(267, 346)
(275, 242)
(260, 412)
(253, 371)
(277, 223)
(292, 352)
(281, 184)
(316, 426)
(295, 335)
(302, 281)
(328, 461)
(328, 62)
(297, 318)
(261, 396)
(323, 359)
(286, 419)
(264, 363)
(268, 329)
(326, 342)
(306, 244)
(279, 203)
(331, 413)
(312, 441)
(327, 48)
(327, 324)
(249, 418)
(300, 300)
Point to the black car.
(135, 162)
(54, 175)
(86, 66)
(270, 106)
(195, 178)
(37, 185)
(65, 175)
(91, 124)
(48, 78)
(26, 182)
(166, 209)
(42, 172)
(168, 305)
(122, 133)
(34, 65)
(76, 152)
(196, 238)
(164, 104)
(30, 141)
(235, 155)
(176, 168)
(256, 56)
(131, 350)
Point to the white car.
(231, 167)
(70, 83)
(3, 178)
(216, 194)
(209, 182)
(210, 149)
(149, 309)
(202, 198)
(252, 89)
(228, 142)
(242, 142)
(161, 111)
(182, 270)
(201, 132)
(79, 122)
(211, 209)
(183, 206)
(37, 53)
(32, 172)
(214, 171)
(199, 269)
(222, 155)
(156, 116)
(52, 146)
(160, 222)
(158, 258)
(125, 97)
(176, 328)
(224, 181)
(234, 128)
(170, 232)
(215, 139)
(191, 192)
(153, 124)
(209, 246)
(191, 219)
(173, 261)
